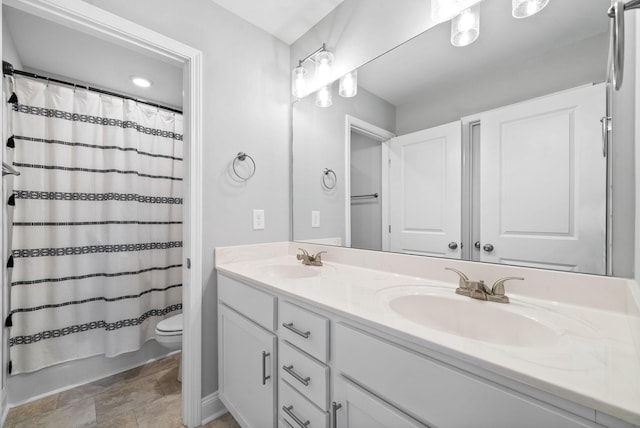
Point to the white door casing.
(543, 182)
(425, 172)
(365, 128)
(81, 16)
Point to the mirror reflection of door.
(543, 175)
(366, 192)
(425, 192)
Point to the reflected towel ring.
(242, 156)
(325, 174)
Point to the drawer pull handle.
(335, 407)
(289, 411)
(290, 326)
(302, 380)
(264, 367)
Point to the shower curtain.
(97, 227)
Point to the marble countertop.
(595, 360)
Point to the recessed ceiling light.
(141, 81)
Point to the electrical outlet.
(315, 218)
(258, 219)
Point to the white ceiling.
(285, 19)
(57, 51)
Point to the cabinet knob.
(453, 245)
(488, 248)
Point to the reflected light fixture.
(444, 10)
(526, 8)
(323, 60)
(324, 96)
(349, 85)
(465, 28)
(140, 82)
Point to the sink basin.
(290, 271)
(474, 319)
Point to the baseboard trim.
(4, 407)
(212, 408)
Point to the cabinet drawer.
(294, 406)
(305, 374)
(435, 393)
(257, 305)
(304, 329)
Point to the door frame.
(360, 126)
(82, 16)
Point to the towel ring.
(325, 174)
(242, 156)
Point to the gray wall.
(319, 136)
(246, 108)
(366, 178)
(9, 51)
(622, 186)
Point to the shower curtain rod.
(7, 68)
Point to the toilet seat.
(171, 326)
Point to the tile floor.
(146, 396)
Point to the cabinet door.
(247, 367)
(360, 409)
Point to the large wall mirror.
(491, 152)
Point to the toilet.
(169, 335)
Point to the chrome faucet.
(309, 259)
(479, 290)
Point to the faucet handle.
(464, 279)
(498, 286)
(318, 257)
(304, 254)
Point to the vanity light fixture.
(526, 8)
(323, 60)
(465, 28)
(324, 97)
(349, 84)
(141, 82)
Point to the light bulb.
(141, 81)
(526, 8)
(324, 97)
(465, 28)
(298, 82)
(349, 85)
(323, 60)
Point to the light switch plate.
(315, 218)
(258, 219)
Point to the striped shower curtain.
(97, 227)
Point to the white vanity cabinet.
(329, 371)
(247, 354)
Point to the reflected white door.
(425, 192)
(543, 175)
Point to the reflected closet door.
(543, 182)
(425, 192)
